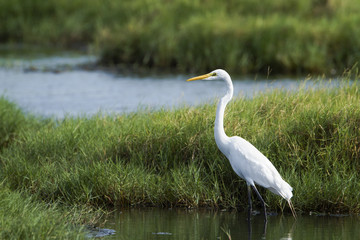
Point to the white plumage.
(247, 161)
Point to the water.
(170, 224)
(54, 86)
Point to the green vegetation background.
(246, 36)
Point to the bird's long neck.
(220, 136)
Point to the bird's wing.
(249, 163)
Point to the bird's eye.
(213, 74)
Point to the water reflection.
(154, 223)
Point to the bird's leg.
(262, 201)
(264, 230)
(249, 229)
(250, 204)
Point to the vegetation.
(13, 121)
(261, 36)
(168, 158)
(21, 217)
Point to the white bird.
(246, 160)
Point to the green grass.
(22, 217)
(13, 121)
(258, 36)
(169, 157)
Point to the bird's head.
(217, 74)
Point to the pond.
(169, 224)
(55, 86)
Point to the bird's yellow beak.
(199, 77)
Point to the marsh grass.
(13, 121)
(24, 217)
(240, 36)
(169, 157)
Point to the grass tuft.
(23, 217)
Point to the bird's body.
(246, 160)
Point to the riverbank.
(169, 158)
(68, 169)
(263, 37)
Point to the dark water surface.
(54, 86)
(167, 224)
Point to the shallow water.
(54, 86)
(155, 223)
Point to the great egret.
(247, 162)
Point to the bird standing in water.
(246, 160)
